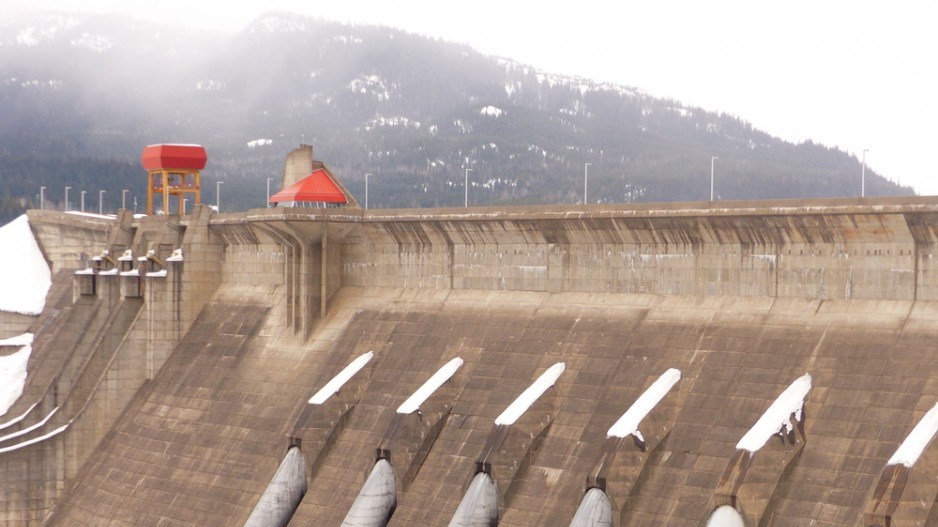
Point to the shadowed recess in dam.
(222, 407)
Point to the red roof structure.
(169, 157)
(316, 187)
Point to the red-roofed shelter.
(315, 190)
(173, 170)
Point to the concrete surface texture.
(182, 391)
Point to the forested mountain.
(80, 95)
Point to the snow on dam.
(173, 365)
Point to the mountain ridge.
(413, 111)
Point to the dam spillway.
(184, 386)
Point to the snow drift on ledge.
(24, 274)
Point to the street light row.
(218, 184)
(101, 193)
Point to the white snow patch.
(157, 274)
(260, 142)
(96, 43)
(917, 440)
(26, 339)
(24, 275)
(176, 256)
(28, 429)
(412, 404)
(372, 84)
(335, 384)
(92, 215)
(391, 121)
(13, 377)
(628, 424)
(492, 111)
(524, 401)
(683, 112)
(210, 85)
(776, 419)
(462, 126)
(35, 440)
(343, 39)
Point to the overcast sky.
(859, 74)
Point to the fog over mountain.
(81, 95)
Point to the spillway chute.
(479, 505)
(376, 501)
(595, 510)
(725, 516)
(283, 494)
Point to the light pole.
(268, 191)
(586, 175)
(42, 197)
(863, 174)
(366, 190)
(83, 200)
(66, 197)
(466, 200)
(218, 195)
(712, 159)
(101, 201)
(124, 199)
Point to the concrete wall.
(268, 304)
(839, 251)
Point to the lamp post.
(268, 191)
(366, 190)
(712, 159)
(124, 198)
(83, 200)
(586, 175)
(863, 174)
(218, 195)
(42, 197)
(66, 197)
(466, 200)
(101, 201)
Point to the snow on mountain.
(94, 42)
(491, 111)
(371, 85)
(24, 274)
(45, 30)
(390, 121)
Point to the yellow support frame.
(169, 183)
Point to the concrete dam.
(690, 364)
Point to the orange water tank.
(173, 173)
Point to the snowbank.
(13, 373)
(24, 274)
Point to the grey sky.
(857, 74)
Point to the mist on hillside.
(82, 94)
